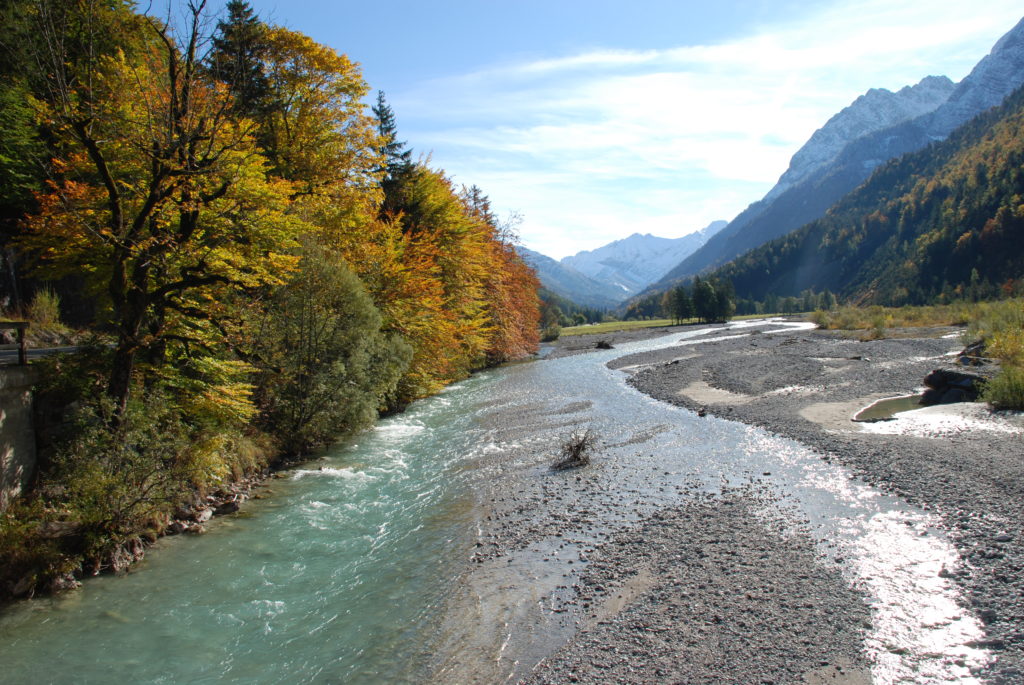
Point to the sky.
(596, 119)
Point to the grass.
(876, 319)
(1000, 324)
(614, 326)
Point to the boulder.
(947, 386)
(177, 528)
(227, 508)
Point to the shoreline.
(962, 462)
(631, 613)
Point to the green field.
(613, 326)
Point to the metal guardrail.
(21, 326)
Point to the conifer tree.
(239, 48)
(398, 165)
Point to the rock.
(57, 529)
(176, 528)
(203, 515)
(946, 386)
(973, 354)
(603, 345)
(227, 508)
(62, 583)
(23, 587)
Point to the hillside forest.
(264, 265)
(938, 225)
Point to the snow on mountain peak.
(877, 109)
(634, 262)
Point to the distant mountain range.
(639, 260)
(609, 275)
(572, 284)
(877, 127)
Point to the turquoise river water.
(343, 571)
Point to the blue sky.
(597, 119)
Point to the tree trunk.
(119, 387)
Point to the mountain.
(571, 284)
(875, 110)
(818, 177)
(947, 220)
(637, 261)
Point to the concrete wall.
(17, 437)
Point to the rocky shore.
(961, 461)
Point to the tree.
(397, 158)
(327, 365)
(397, 166)
(683, 304)
(705, 302)
(239, 49)
(161, 198)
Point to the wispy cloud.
(591, 147)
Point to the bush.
(1006, 390)
(821, 319)
(119, 479)
(34, 554)
(44, 310)
(551, 333)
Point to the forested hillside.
(265, 265)
(944, 222)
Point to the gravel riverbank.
(571, 581)
(961, 461)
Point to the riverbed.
(440, 547)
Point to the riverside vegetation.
(262, 264)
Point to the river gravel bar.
(962, 462)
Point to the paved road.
(9, 356)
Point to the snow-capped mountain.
(571, 284)
(877, 109)
(818, 176)
(997, 75)
(633, 263)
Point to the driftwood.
(575, 451)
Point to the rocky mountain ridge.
(635, 262)
(571, 284)
(814, 187)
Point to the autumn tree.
(162, 197)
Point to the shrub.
(44, 310)
(551, 333)
(119, 479)
(33, 553)
(1006, 390)
(821, 319)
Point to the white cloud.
(697, 131)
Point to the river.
(344, 572)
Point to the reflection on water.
(342, 574)
(883, 410)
